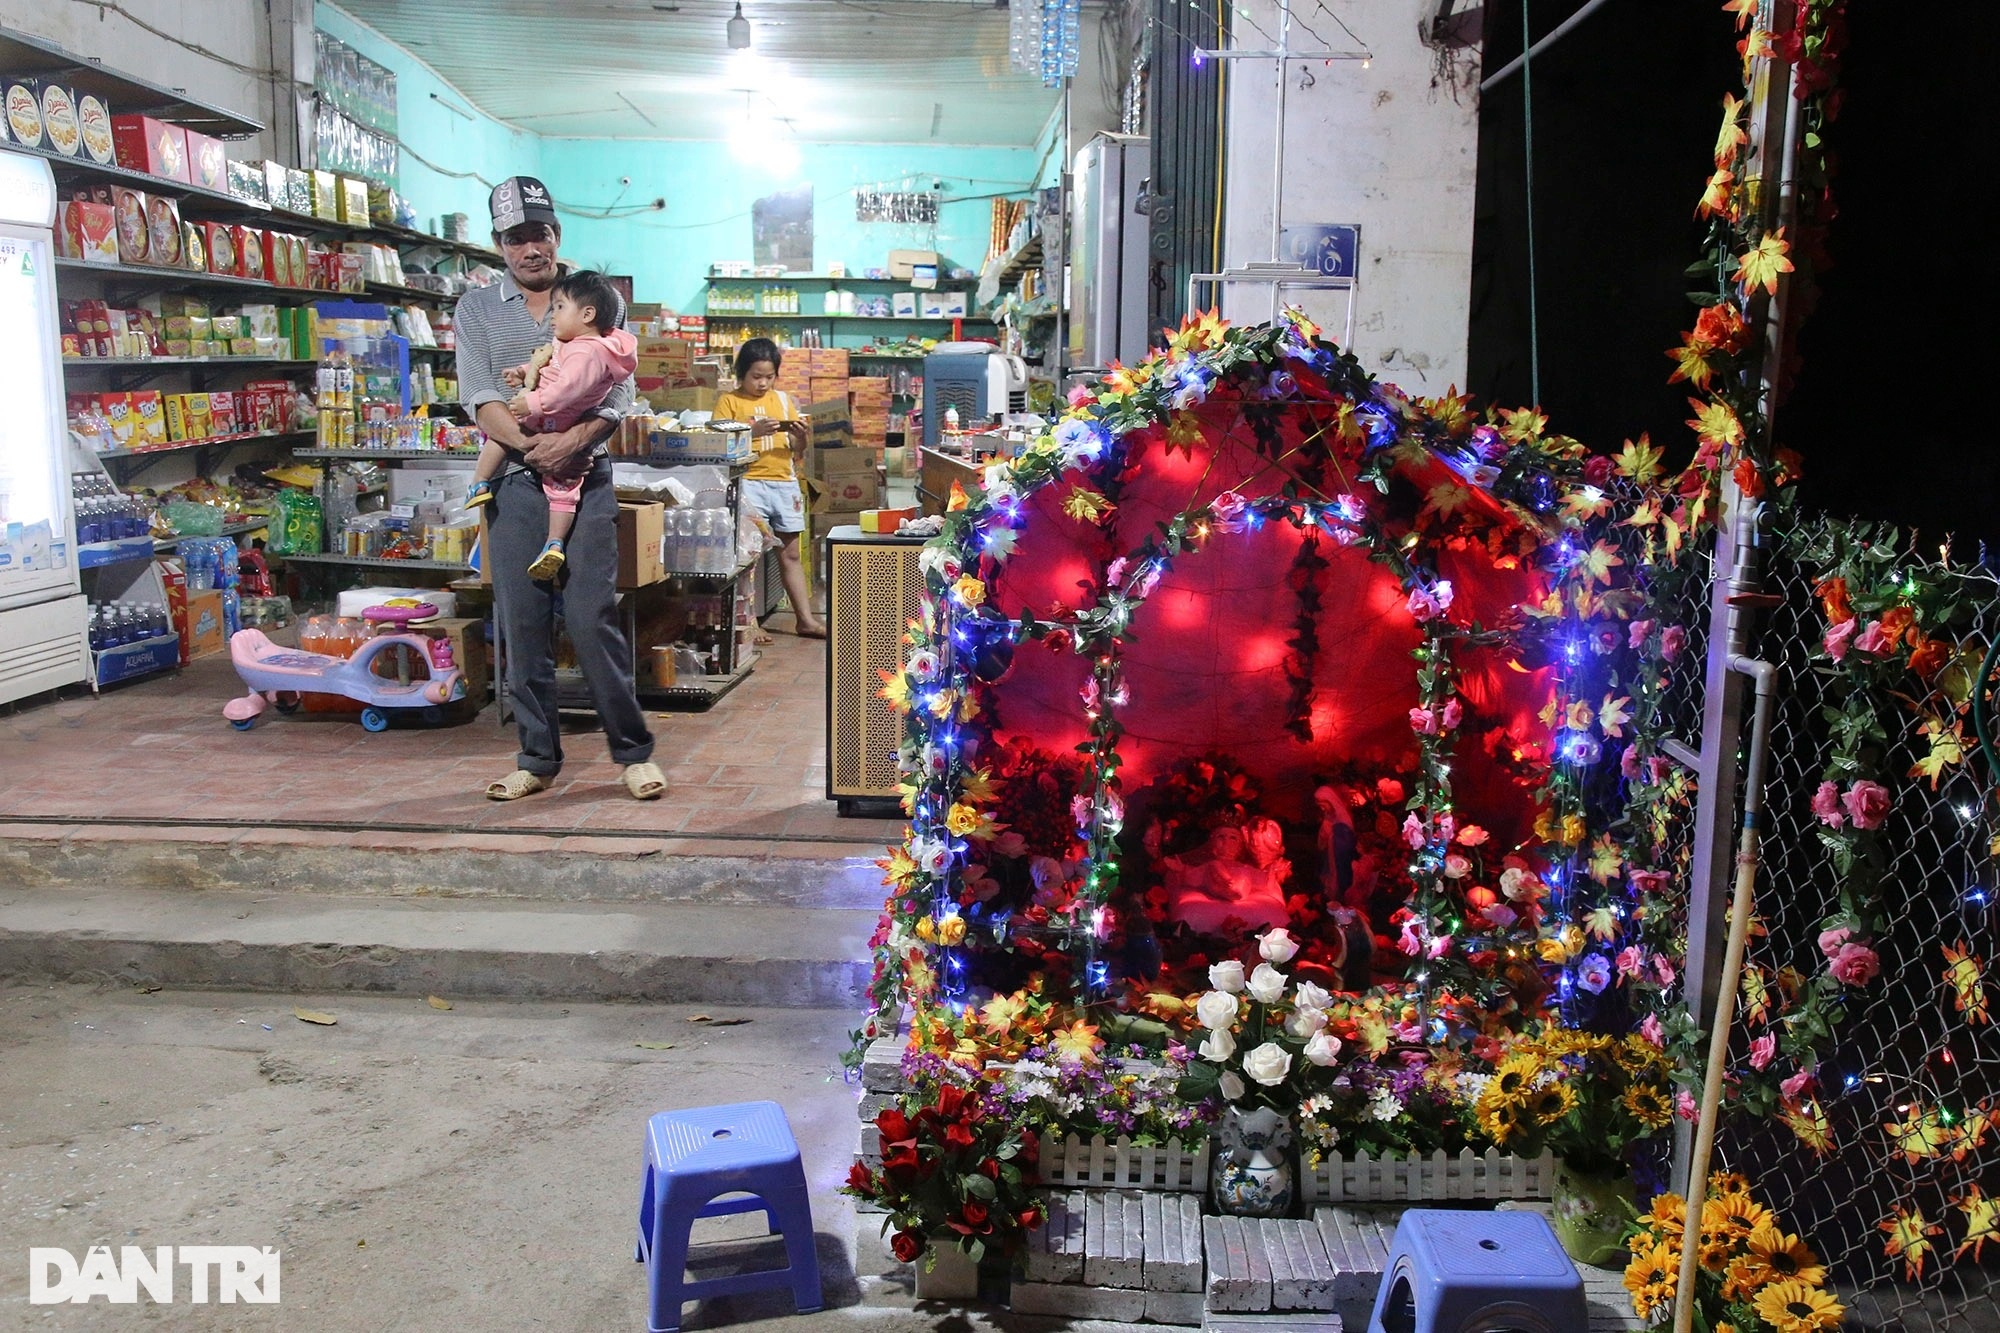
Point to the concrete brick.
(1301, 1274)
(1114, 1244)
(1054, 1251)
(1357, 1245)
(1173, 1242)
(882, 1065)
(1077, 1302)
(868, 1144)
(874, 1103)
(1174, 1307)
(1237, 1279)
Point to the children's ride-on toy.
(279, 675)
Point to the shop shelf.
(713, 316)
(129, 661)
(390, 289)
(187, 277)
(1017, 262)
(388, 454)
(174, 446)
(96, 555)
(433, 351)
(942, 284)
(166, 544)
(21, 53)
(377, 562)
(146, 362)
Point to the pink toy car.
(279, 675)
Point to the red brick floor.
(752, 769)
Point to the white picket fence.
(1071, 1163)
(1394, 1178)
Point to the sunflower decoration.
(1585, 1096)
(1754, 1276)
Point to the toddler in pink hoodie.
(559, 386)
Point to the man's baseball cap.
(518, 200)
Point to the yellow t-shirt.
(771, 458)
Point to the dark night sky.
(1888, 409)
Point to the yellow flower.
(1794, 1307)
(1774, 1256)
(1634, 1053)
(1668, 1215)
(896, 689)
(969, 590)
(1001, 1012)
(1649, 1105)
(951, 929)
(961, 819)
(1734, 1215)
(1573, 830)
(1514, 1078)
(1550, 1104)
(1761, 265)
(926, 930)
(1077, 1042)
(1651, 1278)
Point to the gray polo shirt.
(496, 331)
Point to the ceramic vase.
(1254, 1172)
(1590, 1212)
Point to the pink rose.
(1856, 965)
(1422, 606)
(1079, 810)
(1423, 722)
(1628, 763)
(1473, 836)
(1826, 805)
(1672, 639)
(1453, 714)
(1439, 946)
(1648, 881)
(1010, 844)
(1684, 1106)
(1114, 573)
(1762, 1051)
(1867, 804)
(1412, 942)
(1653, 1034)
(1640, 631)
(1657, 769)
(1447, 828)
(1228, 510)
(1413, 832)
(1388, 791)
(1081, 395)
(1598, 470)
(1831, 940)
(1663, 971)
(1500, 915)
(1797, 1085)
(1456, 866)
(1631, 961)
(1837, 639)
(1872, 640)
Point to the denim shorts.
(779, 503)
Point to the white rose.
(1226, 975)
(1218, 1046)
(1215, 1010)
(1323, 1049)
(1268, 1064)
(1306, 1021)
(1312, 996)
(1267, 984)
(1515, 883)
(1231, 1086)
(1277, 946)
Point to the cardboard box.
(151, 146)
(847, 492)
(116, 409)
(325, 195)
(699, 399)
(904, 263)
(641, 544)
(222, 412)
(942, 305)
(903, 304)
(885, 520)
(208, 164)
(354, 202)
(826, 389)
(859, 460)
(828, 361)
(468, 651)
(90, 232)
(149, 419)
(188, 416)
(205, 636)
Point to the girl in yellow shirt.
(778, 435)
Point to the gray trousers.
(518, 527)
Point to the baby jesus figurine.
(1240, 874)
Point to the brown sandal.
(515, 785)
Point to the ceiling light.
(739, 30)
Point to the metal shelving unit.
(22, 53)
(378, 562)
(391, 455)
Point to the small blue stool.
(1475, 1272)
(694, 1157)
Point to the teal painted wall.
(709, 193)
(482, 150)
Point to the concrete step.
(675, 952)
(359, 862)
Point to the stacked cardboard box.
(795, 374)
(870, 397)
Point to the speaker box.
(873, 591)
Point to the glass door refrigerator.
(44, 618)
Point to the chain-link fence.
(1908, 1056)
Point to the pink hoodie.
(577, 377)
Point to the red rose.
(1599, 470)
(860, 1177)
(990, 1168)
(957, 1135)
(900, 1160)
(974, 1213)
(1029, 1218)
(893, 1125)
(908, 1246)
(951, 1100)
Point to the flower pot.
(1590, 1212)
(953, 1277)
(1254, 1166)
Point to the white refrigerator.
(44, 617)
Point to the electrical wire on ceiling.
(113, 7)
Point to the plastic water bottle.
(704, 541)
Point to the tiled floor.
(751, 770)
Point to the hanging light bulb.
(739, 30)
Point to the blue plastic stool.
(1476, 1272)
(694, 1157)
